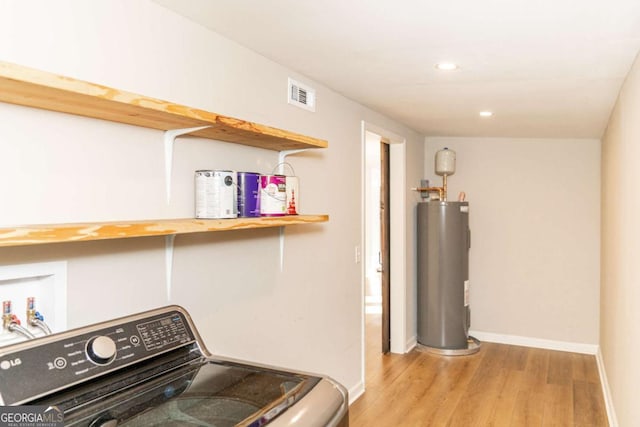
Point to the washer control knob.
(101, 350)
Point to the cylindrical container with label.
(293, 195)
(248, 194)
(273, 195)
(216, 194)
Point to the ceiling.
(546, 68)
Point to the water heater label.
(464, 209)
(466, 293)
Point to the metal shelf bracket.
(169, 138)
(282, 157)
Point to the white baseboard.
(606, 391)
(411, 344)
(536, 342)
(355, 392)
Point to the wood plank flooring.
(502, 385)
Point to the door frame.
(398, 246)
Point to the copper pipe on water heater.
(440, 190)
(444, 188)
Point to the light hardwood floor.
(502, 385)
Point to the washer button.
(60, 362)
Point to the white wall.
(60, 168)
(620, 293)
(534, 219)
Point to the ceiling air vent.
(302, 95)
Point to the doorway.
(398, 286)
(377, 220)
(397, 211)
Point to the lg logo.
(6, 364)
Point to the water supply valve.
(31, 309)
(34, 318)
(6, 314)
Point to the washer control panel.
(35, 368)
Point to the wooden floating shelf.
(61, 233)
(33, 88)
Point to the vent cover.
(302, 95)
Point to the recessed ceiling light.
(486, 113)
(446, 66)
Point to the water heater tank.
(445, 162)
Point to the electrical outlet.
(358, 254)
(47, 283)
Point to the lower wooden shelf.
(60, 233)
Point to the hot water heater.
(444, 240)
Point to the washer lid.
(212, 393)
